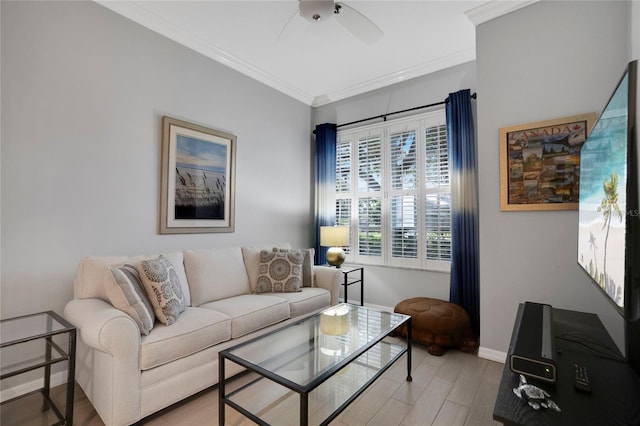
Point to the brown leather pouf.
(438, 324)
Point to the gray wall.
(83, 93)
(388, 286)
(549, 60)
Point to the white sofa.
(128, 375)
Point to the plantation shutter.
(437, 195)
(370, 196)
(403, 194)
(393, 190)
(344, 190)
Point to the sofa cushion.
(215, 274)
(128, 294)
(251, 257)
(196, 329)
(280, 271)
(307, 265)
(163, 288)
(308, 300)
(251, 312)
(93, 275)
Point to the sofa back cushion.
(89, 280)
(94, 276)
(215, 274)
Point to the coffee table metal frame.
(304, 390)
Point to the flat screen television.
(609, 216)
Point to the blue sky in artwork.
(198, 153)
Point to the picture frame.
(197, 183)
(540, 163)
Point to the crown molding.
(493, 9)
(140, 15)
(438, 64)
(135, 11)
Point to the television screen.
(602, 223)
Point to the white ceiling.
(321, 63)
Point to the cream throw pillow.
(280, 272)
(163, 287)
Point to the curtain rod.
(384, 116)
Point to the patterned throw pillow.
(163, 288)
(307, 265)
(280, 272)
(127, 293)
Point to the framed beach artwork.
(197, 179)
(540, 163)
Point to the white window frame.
(419, 123)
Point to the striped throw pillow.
(127, 293)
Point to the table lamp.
(334, 237)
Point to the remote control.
(581, 381)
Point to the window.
(392, 190)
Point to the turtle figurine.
(537, 398)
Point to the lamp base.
(335, 256)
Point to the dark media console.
(579, 338)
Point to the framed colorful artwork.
(540, 163)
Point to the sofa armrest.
(103, 327)
(330, 279)
(107, 360)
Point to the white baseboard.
(492, 355)
(57, 379)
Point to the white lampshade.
(334, 236)
(335, 321)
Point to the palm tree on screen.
(608, 206)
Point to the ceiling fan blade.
(286, 26)
(357, 24)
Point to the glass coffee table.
(308, 372)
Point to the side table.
(41, 326)
(349, 279)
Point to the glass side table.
(353, 275)
(31, 328)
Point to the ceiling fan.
(319, 11)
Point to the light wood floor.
(454, 389)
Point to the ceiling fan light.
(316, 11)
